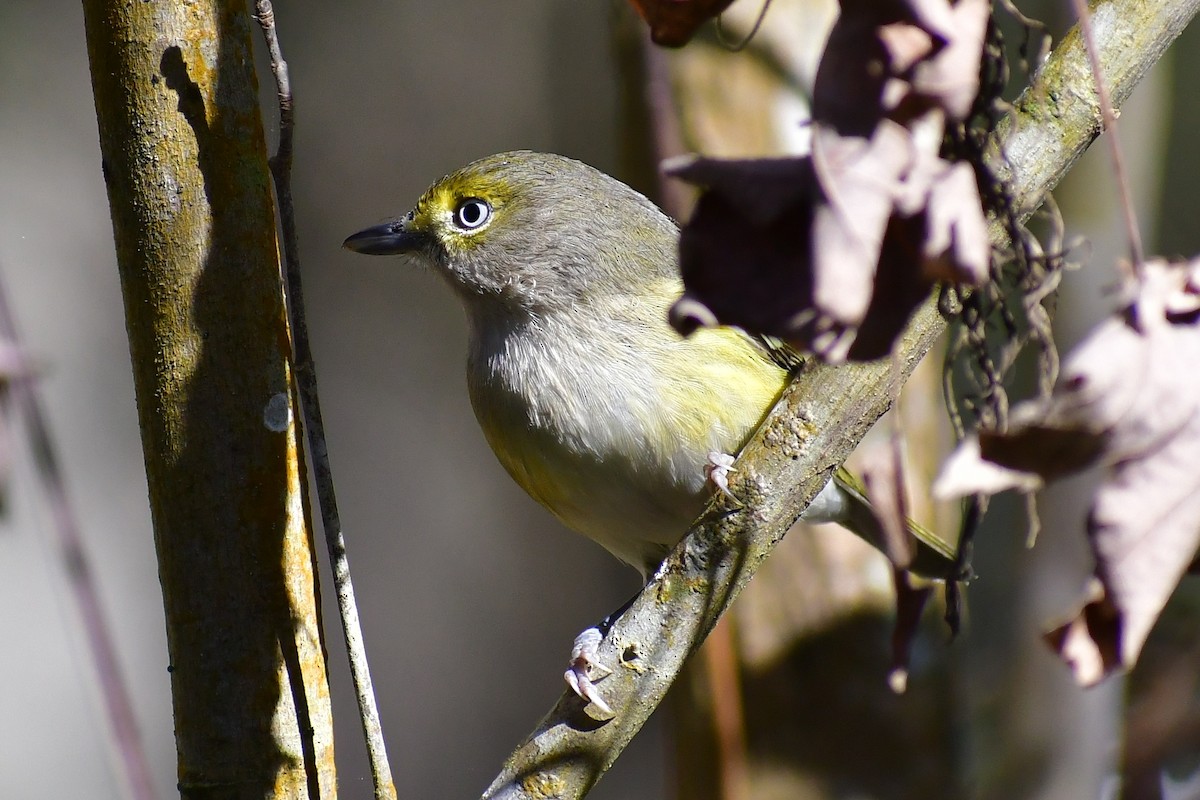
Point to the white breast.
(580, 425)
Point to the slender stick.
(1109, 115)
(117, 703)
(306, 384)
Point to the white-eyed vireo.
(590, 399)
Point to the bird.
(599, 409)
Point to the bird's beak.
(388, 239)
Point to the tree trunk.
(185, 163)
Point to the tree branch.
(818, 422)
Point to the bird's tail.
(844, 501)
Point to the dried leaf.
(858, 178)
(948, 78)
(955, 246)
(1088, 641)
(906, 44)
(853, 71)
(935, 16)
(910, 603)
(836, 262)
(966, 472)
(1128, 398)
(762, 190)
(900, 286)
(884, 482)
(673, 22)
(744, 254)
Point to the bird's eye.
(472, 213)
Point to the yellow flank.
(610, 426)
(717, 377)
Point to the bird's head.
(531, 231)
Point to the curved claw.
(582, 685)
(717, 471)
(584, 664)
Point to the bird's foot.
(717, 471)
(586, 670)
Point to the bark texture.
(185, 163)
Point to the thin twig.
(306, 386)
(1109, 115)
(117, 702)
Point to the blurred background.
(470, 593)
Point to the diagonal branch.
(819, 421)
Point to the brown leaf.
(838, 272)
(899, 288)
(967, 472)
(884, 481)
(673, 22)
(1145, 528)
(935, 16)
(762, 190)
(948, 78)
(833, 253)
(895, 216)
(1088, 641)
(744, 253)
(1128, 398)
(956, 245)
(910, 603)
(853, 71)
(906, 44)
(898, 60)
(858, 178)
(745, 257)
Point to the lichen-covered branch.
(1058, 116)
(820, 420)
(185, 164)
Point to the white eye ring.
(472, 213)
